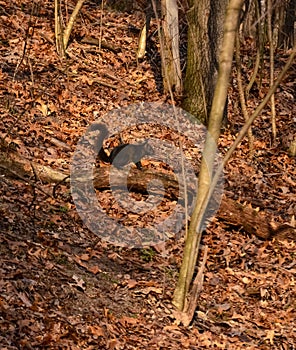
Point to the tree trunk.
(205, 31)
(171, 69)
(286, 39)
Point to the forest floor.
(61, 286)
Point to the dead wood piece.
(101, 82)
(252, 221)
(230, 211)
(137, 181)
(104, 45)
(284, 232)
(24, 168)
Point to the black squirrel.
(126, 152)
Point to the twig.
(101, 25)
(271, 60)
(258, 55)
(59, 183)
(241, 94)
(29, 34)
(196, 289)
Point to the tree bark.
(205, 32)
(286, 37)
(171, 69)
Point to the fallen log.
(230, 211)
